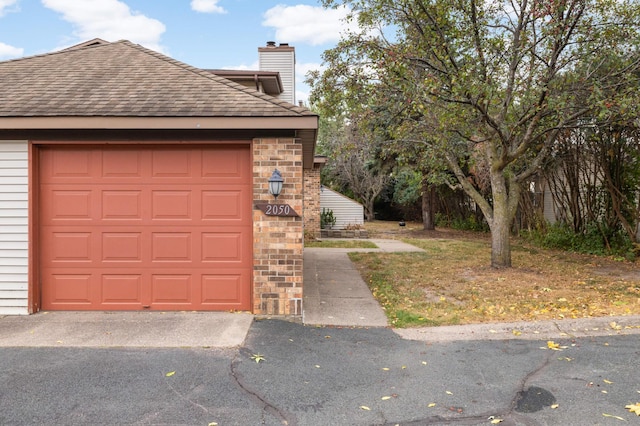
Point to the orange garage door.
(160, 228)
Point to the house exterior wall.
(277, 241)
(346, 211)
(14, 223)
(312, 202)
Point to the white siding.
(14, 225)
(283, 61)
(345, 210)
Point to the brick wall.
(312, 202)
(277, 241)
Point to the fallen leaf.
(384, 398)
(607, 381)
(170, 373)
(553, 345)
(496, 421)
(615, 325)
(424, 362)
(554, 406)
(516, 332)
(213, 424)
(449, 393)
(615, 417)
(385, 369)
(634, 408)
(364, 407)
(317, 366)
(433, 404)
(257, 358)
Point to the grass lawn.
(453, 282)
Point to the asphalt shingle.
(123, 79)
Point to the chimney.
(280, 58)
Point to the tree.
(485, 86)
(355, 163)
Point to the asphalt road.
(327, 376)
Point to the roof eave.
(305, 127)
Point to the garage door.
(134, 228)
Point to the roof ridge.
(76, 47)
(232, 84)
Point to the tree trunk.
(369, 214)
(500, 241)
(504, 210)
(428, 206)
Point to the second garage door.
(146, 227)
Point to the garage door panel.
(225, 204)
(125, 164)
(227, 165)
(122, 247)
(146, 228)
(224, 247)
(172, 289)
(171, 247)
(122, 204)
(64, 289)
(171, 204)
(66, 165)
(121, 289)
(71, 246)
(70, 205)
(172, 163)
(224, 289)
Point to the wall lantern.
(275, 184)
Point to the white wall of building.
(14, 227)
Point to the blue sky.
(202, 33)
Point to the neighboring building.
(347, 212)
(132, 181)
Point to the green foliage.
(482, 89)
(469, 223)
(327, 219)
(407, 187)
(595, 240)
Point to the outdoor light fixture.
(275, 184)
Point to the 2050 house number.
(278, 210)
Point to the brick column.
(277, 241)
(312, 203)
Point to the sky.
(220, 34)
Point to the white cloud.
(207, 6)
(110, 20)
(309, 24)
(5, 6)
(8, 52)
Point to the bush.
(327, 219)
(593, 240)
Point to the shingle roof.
(122, 79)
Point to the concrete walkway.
(334, 292)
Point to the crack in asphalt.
(509, 416)
(266, 405)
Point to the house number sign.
(277, 210)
